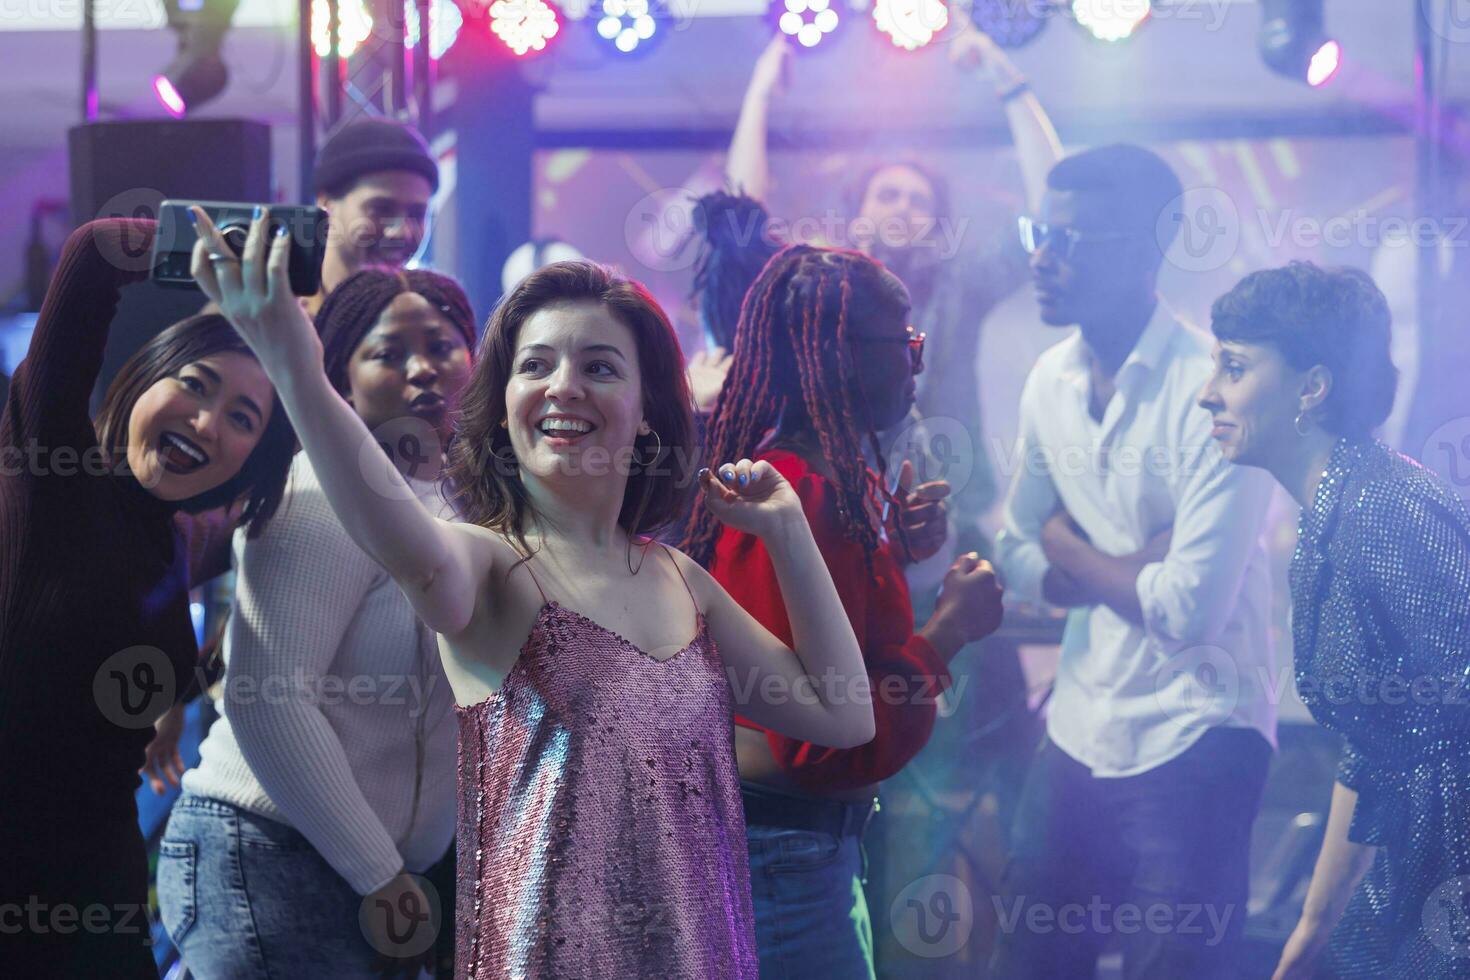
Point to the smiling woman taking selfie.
(95, 634)
(1380, 593)
(600, 828)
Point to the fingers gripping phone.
(173, 246)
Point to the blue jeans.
(246, 897)
(811, 919)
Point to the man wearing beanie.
(374, 177)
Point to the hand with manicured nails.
(752, 497)
(254, 292)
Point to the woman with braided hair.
(824, 360)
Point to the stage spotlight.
(354, 24)
(1010, 23)
(524, 25)
(629, 25)
(1111, 20)
(1294, 41)
(910, 24)
(445, 20)
(197, 72)
(807, 21)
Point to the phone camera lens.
(234, 236)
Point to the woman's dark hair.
(488, 490)
(1334, 317)
(262, 478)
(735, 244)
(791, 349)
(354, 307)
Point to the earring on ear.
(1302, 423)
(656, 453)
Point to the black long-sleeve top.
(95, 633)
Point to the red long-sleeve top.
(882, 618)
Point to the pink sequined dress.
(600, 831)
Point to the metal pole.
(89, 61)
(1427, 203)
(397, 100)
(305, 98)
(423, 68)
(333, 62)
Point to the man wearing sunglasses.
(1134, 824)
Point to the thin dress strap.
(670, 553)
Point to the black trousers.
(1157, 863)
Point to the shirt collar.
(1147, 351)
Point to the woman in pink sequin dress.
(597, 673)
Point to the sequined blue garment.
(1380, 587)
(601, 832)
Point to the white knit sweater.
(329, 680)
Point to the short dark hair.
(487, 491)
(1336, 317)
(1134, 184)
(262, 477)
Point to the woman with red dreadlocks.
(824, 360)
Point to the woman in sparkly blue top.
(1380, 588)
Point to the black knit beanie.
(366, 146)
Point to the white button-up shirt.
(1129, 698)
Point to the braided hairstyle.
(355, 306)
(791, 348)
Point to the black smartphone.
(174, 245)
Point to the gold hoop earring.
(656, 453)
(1302, 424)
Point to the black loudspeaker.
(126, 169)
